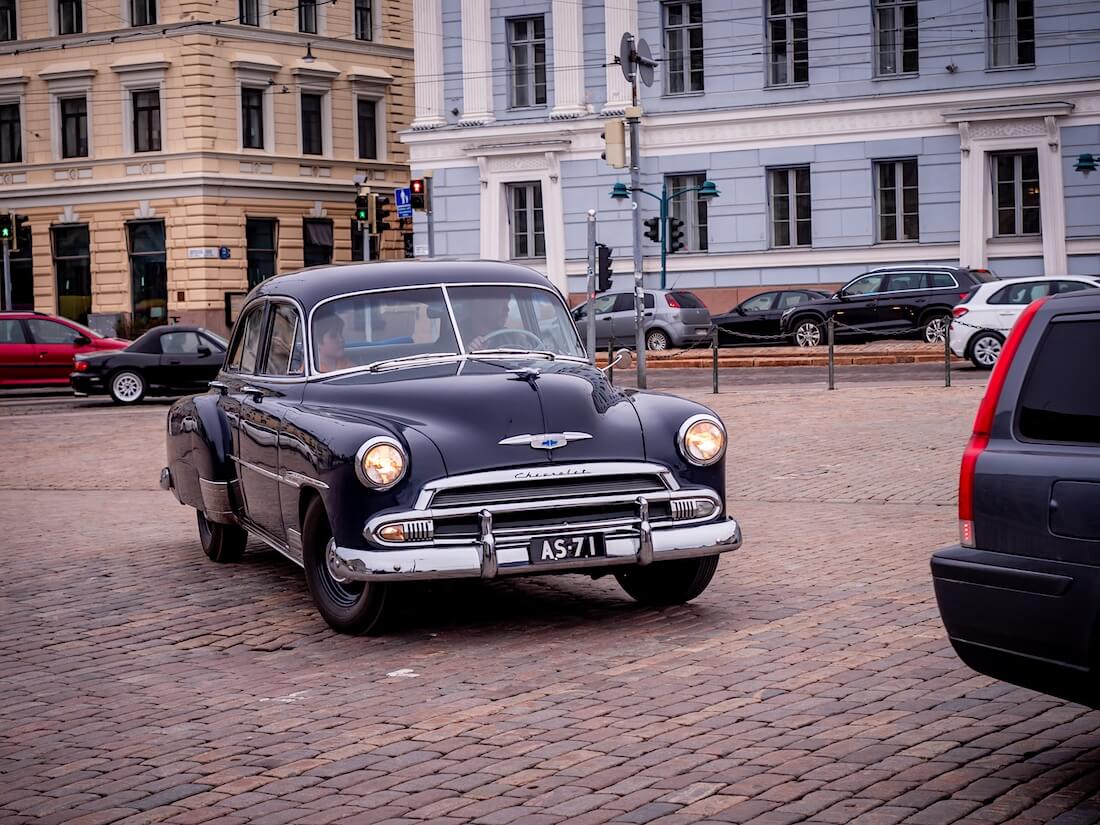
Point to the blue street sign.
(223, 253)
(403, 199)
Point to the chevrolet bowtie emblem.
(544, 441)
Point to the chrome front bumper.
(483, 559)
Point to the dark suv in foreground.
(1020, 595)
(886, 301)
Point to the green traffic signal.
(5, 233)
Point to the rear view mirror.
(82, 340)
(204, 352)
(623, 358)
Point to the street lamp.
(619, 191)
(1085, 163)
(708, 190)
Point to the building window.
(788, 43)
(789, 195)
(11, 134)
(895, 37)
(22, 273)
(249, 13)
(312, 133)
(148, 274)
(527, 61)
(1011, 33)
(252, 118)
(364, 20)
(684, 47)
(74, 127)
(70, 16)
(525, 216)
(317, 242)
(1016, 194)
(72, 265)
(307, 16)
(260, 237)
(8, 30)
(143, 12)
(367, 123)
(689, 208)
(898, 208)
(147, 120)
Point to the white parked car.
(983, 319)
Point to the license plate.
(565, 548)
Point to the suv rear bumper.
(1028, 621)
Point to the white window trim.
(55, 21)
(137, 77)
(12, 91)
(792, 200)
(264, 10)
(692, 233)
(65, 82)
(127, 18)
(322, 19)
(326, 120)
(380, 121)
(899, 48)
(876, 199)
(376, 30)
(257, 74)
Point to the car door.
(55, 346)
(18, 357)
(185, 361)
(859, 301)
(1009, 302)
(603, 305)
(904, 296)
(623, 323)
(787, 300)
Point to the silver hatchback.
(672, 318)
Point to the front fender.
(661, 416)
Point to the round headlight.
(381, 463)
(702, 439)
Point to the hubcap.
(935, 330)
(987, 350)
(808, 335)
(657, 342)
(127, 386)
(338, 588)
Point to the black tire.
(127, 387)
(223, 543)
(807, 332)
(657, 340)
(668, 582)
(985, 349)
(935, 328)
(348, 607)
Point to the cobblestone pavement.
(811, 683)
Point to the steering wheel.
(534, 340)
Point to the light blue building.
(842, 134)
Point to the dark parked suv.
(1020, 595)
(886, 302)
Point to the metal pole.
(714, 360)
(831, 324)
(7, 276)
(591, 313)
(635, 121)
(611, 361)
(947, 355)
(430, 213)
(664, 235)
(364, 230)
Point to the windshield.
(513, 317)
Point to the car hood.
(468, 408)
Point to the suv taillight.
(959, 311)
(671, 301)
(983, 424)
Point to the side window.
(941, 280)
(246, 342)
(1069, 286)
(647, 301)
(51, 332)
(866, 285)
(1060, 400)
(601, 306)
(179, 343)
(1022, 294)
(904, 281)
(284, 353)
(759, 303)
(11, 332)
(792, 299)
(623, 301)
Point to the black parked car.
(759, 316)
(886, 301)
(387, 422)
(1020, 595)
(168, 360)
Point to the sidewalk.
(876, 352)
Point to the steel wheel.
(127, 387)
(343, 592)
(935, 329)
(807, 334)
(986, 350)
(656, 340)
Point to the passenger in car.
(330, 344)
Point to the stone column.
(568, 60)
(620, 16)
(477, 64)
(428, 61)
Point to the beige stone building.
(169, 153)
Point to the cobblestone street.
(812, 682)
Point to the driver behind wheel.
(479, 319)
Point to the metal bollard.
(830, 330)
(947, 355)
(714, 361)
(611, 361)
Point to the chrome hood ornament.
(543, 441)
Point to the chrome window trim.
(695, 419)
(286, 379)
(896, 270)
(368, 445)
(271, 302)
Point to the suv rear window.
(1061, 397)
(942, 280)
(687, 300)
(983, 276)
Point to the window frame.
(305, 234)
(12, 128)
(9, 9)
(530, 44)
(1018, 193)
(309, 13)
(899, 30)
(322, 100)
(680, 65)
(360, 134)
(66, 260)
(253, 110)
(1013, 36)
(133, 258)
(249, 249)
(363, 11)
(63, 120)
(534, 206)
(791, 196)
(136, 111)
(899, 188)
(76, 9)
(267, 334)
(691, 209)
(789, 18)
(237, 340)
(146, 10)
(249, 13)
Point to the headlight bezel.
(370, 444)
(685, 428)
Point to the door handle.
(175, 362)
(255, 392)
(220, 386)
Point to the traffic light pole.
(664, 234)
(7, 276)
(635, 121)
(591, 311)
(430, 214)
(364, 231)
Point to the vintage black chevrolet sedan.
(379, 423)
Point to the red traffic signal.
(418, 194)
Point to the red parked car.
(38, 349)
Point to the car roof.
(989, 286)
(313, 285)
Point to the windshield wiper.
(409, 359)
(508, 351)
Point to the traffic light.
(675, 234)
(380, 224)
(418, 195)
(407, 238)
(653, 229)
(614, 140)
(7, 230)
(18, 222)
(362, 208)
(603, 267)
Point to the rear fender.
(200, 442)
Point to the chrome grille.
(546, 490)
